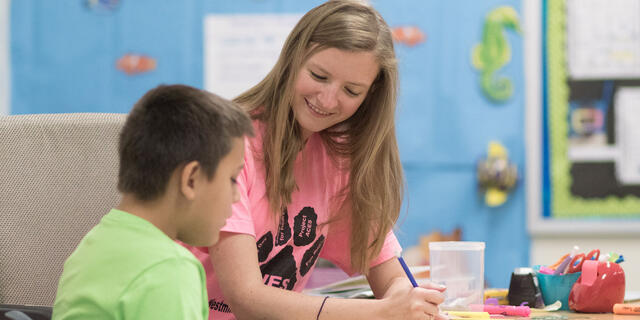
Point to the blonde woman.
(322, 178)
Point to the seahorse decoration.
(494, 52)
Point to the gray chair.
(58, 175)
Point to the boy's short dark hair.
(172, 125)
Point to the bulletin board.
(584, 118)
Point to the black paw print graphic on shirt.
(280, 271)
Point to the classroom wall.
(4, 58)
(63, 58)
(445, 123)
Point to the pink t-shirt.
(287, 252)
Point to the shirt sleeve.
(172, 289)
(390, 249)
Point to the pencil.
(408, 272)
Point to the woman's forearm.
(234, 259)
(267, 302)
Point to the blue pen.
(408, 272)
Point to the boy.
(180, 150)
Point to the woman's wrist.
(321, 307)
(383, 309)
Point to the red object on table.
(600, 286)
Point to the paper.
(603, 39)
(240, 49)
(358, 287)
(587, 131)
(627, 104)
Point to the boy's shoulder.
(123, 245)
(121, 260)
(123, 234)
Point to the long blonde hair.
(366, 140)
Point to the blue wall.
(63, 60)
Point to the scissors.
(576, 263)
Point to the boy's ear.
(188, 179)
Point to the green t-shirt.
(126, 268)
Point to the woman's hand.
(407, 302)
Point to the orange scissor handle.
(576, 263)
(555, 265)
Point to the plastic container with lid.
(458, 265)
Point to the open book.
(358, 287)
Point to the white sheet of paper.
(241, 49)
(5, 72)
(603, 39)
(627, 111)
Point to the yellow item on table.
(468, 315)
(499, 294)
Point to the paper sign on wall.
(627, 102)
(603, 39)
(240, 49)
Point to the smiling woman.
(322, 179)
(5, 71)
(330, 87)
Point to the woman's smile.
(315, 110)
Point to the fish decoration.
(497, 176)
(408, 35)
(494, 52)
(132, 64)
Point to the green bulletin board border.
(564, 204)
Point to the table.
(558, 315)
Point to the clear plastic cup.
(459, 265)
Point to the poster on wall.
(592, 111)
(240, 49)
